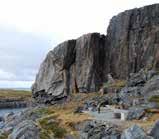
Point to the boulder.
(151, 88)
(8, 116)
(134, 132)
(135, 113)
(100, 131)
(154, 132)
(137, 79)
(25, 130)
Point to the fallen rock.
(96, 130)
(154, 132)
(135, 132)
(137, 79)
(151, 88)
(136, 113)
(8, 116)
(25, 130)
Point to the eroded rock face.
(151, 88)
(83, 64)
(53, 79)
(133, 36)
(75, 65)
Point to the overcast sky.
(30, 28)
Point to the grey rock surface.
(136, 113)
(135, 132)
(82, 65)
(73, 66)
(25, 130)
(132, 36)
(100, 131)
(154, 132)
(151, 88)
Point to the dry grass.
(66, 119)
(117, 84)
(15, 94)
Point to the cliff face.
(134, 40)
(83, 64)
(75, 65)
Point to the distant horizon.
(24, 89)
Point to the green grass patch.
(154, 98)
(43, 111)
(4, 136)
(50, 125)
(117, 84)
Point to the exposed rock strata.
(83, 64)
(75, 65)
(133, 37)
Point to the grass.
(50, 125)
(117, 84)
(4, 136)
(60, 120)
(14, 94)
(154, 98)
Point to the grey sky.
(20, 56)
(30, 28)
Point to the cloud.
(15, 84)
(21, 55)
(6, 75)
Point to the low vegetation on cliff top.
(15, 94)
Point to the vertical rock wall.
(132, 43)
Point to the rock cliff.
(73, 66)
(82, 65)
(133, 37)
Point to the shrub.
(154, 98)
(49, 125)
(116, 84)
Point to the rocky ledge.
(14, 103)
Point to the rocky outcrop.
(25, 130)
(82, 65)
(135, 132)
(151, 88)
(133, 37)
(154, 132)
(73, 66)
